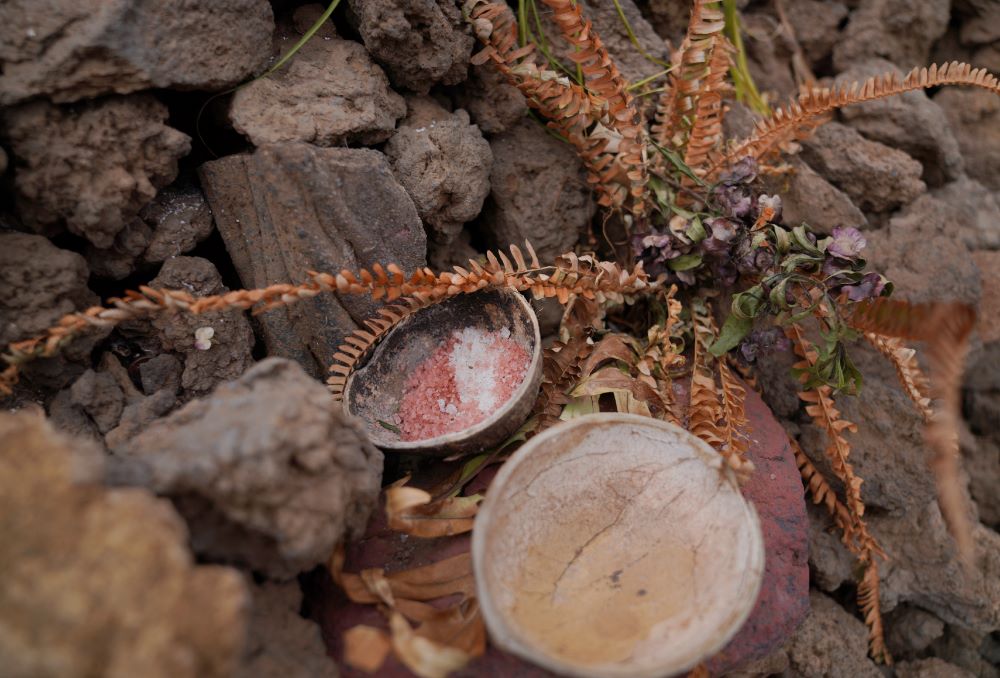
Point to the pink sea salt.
(467, 378)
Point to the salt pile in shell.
(470, 376)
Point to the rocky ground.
(126, 160)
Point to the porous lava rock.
(41, 283)
(98, 581)
(830, 643)
(444, 163)
(975, 120)
(537, 192)
(331, 93)
(910, 122)
(175, 222)
(808, 198)
(419, 42)
(280, 643)
(266, 471)
(290, 208)
(93, 166)
(816, 24)
(875, 176)
(493, 103)
(69, 50)
(231, 343)
(900, 31)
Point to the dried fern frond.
(821, 407)
(359, 343)
(693, 68)
(797, 118)
(600, 120)
(911, 378)
(821, 491)
(871, 609)
(945, 329)
(716, 413)
(572, 275)
(705, 135)
(602, 77)
(561, 369)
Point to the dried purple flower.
(723, 231)
(868, 287)
(734, 201)
(763, 342)
(847, 243)
(743, 172)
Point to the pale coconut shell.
(373, 393)
(616, 545)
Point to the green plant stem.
(635, 40)
(746, 89)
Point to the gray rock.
(180, 218)
(291, 208)
(982, 24)
(330, 94)
(817, 26)
(932, 667)
(161, 372)
(876, 177)
(493, 103)
(973, 212)
(138, 415)
(280, 643)
(537, 192)
(68, 51)
(444, 164)
(974, 115)
(830, 643)
(806, 197)
(831, 565)
(420, 42)
(910, 630)
(910, 122)
(100, 396)
(232, 340)
(94, 166)
(265, 470)
(962, 647)
(42, 283)
(920, 253)
(898, 30)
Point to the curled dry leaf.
(411, 511)
(366, 647)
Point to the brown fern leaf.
(945, 329)
(561, 370)
(821, 407)
(705, 411)
(359, 343)
(571, 276)
(601, 120)
(603, 78)
(716, 413)
(693, 66)
(911, 378)
(705, 135)
(822, 493)
(799, 117)
(871, 608)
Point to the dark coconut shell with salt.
(373, 393)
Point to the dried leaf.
(423, 656)
(366, 647)
(411, 511)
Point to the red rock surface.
(775, 490)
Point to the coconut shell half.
(616, 545)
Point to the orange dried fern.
(945, 329)
(798, 118)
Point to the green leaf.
(696, 231)
(782, 240)
(800, 234)
(732, 333)
(685, 262)
(387, 425)
(747, 304)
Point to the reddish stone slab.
(775, 489)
